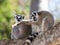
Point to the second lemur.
(43, 19)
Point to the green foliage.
(5, 18)
(1, 1)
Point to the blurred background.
(23, 7)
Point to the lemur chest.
(35, 28)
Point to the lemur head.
(18, 17)
(35, 15)
(39, 15)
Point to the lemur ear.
(39, 13)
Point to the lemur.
(43, 20)
(20, 30)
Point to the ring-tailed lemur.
(20, 30)
(43, 20)
(42, 17)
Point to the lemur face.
(19, 18)
(34, 16)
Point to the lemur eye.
(34, 14)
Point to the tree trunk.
(34, 5)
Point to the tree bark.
(34, 6)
